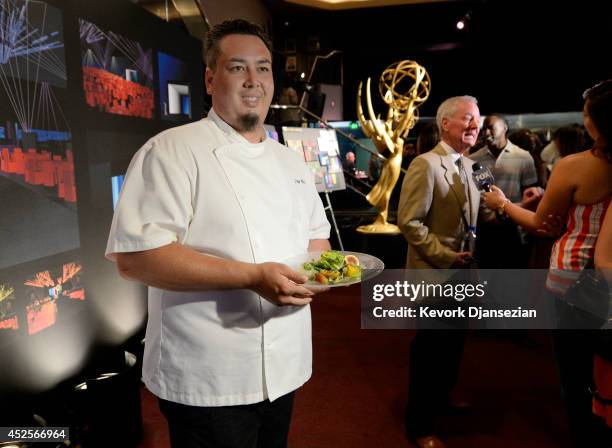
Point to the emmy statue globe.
(404, 86)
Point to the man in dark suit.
(437, 214)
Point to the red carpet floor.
(358, 391)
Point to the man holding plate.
(206, 213)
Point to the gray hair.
(449, 106)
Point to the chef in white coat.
(207, 214)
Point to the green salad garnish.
(333, 267)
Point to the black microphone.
(482, 177)
(483, 180)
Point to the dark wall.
(515, 56)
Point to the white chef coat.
(205, 186)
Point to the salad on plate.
(333, 267)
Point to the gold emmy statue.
(404, 86)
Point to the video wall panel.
(319, 147)
(271, 132)
(174, 88)
(8, 311)
(52, 290)
(32, 43)
(116, 184)
(73, 78)
(37, 170)
(117, 72)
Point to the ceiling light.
(463, 22)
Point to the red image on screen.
(117, 73)
(47, 289)
(38, 192)
(41, 314)
(37, 174)
(51, 173)
(8, 316)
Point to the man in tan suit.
(437, 214)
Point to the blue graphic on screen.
(186, 105)
(31, 43)
(174, 88)
(271, 131)
(43, 135)
(117, 183)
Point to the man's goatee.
(249, 122)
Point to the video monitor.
(117, 73)
(179, 99)
(31, 45)
(174, 88)
(8, 310)
(117, 183)
(131, 75)
(319, 147)
(37, 172)
(332, 108)
(271, 132)
(49, 292)
(37, 191)
(346, 145)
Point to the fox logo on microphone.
(482, 177)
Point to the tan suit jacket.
(431, 206)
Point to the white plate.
(370, 267)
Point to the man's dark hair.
(500, 117)
(428, 138)
(599, 106)
(229, 27)
(569, 140)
